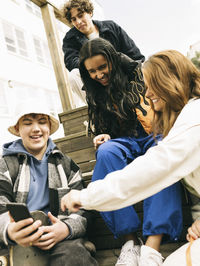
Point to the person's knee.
(107, 150)
(71, 252)
(79, 255)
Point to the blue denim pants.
(162, 211)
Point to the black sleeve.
(127, 45)
(71, 53)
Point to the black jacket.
(108, 30)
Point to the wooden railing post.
(57, 57)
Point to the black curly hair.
(111, 108)
(81, 5)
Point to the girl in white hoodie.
(173, 87)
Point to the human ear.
(17, 128)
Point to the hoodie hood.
(17, 146)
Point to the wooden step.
(73, 121)
(79, 147)
(74, 142)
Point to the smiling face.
(34, 129)
(158, 103)
(82, 21)
(98, 69)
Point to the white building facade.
(26, 70)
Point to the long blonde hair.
(174, 79)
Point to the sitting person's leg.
(162, 222)
(71, 252)
(178, 257)
(111, 156)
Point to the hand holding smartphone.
(18, 211)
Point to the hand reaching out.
(100, 139)
(71, 201)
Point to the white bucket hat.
(32, 107)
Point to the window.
(21, 42)
(33, 8)
(42, 51)
(15, 40)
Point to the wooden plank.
(73, 114)
(71, 136)
(57, 11)
(87, 176)
(73, 121)
(84, 155)
(39, 2)
(76, 143)
(87, 166)
(57, 57)
(74, 126)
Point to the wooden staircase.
(79, 147)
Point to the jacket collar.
(100, 25)
(54, 153)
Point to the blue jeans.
(162, 211)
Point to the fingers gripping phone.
(18, 211)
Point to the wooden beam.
(57, 56)
(57, 12)
(39, 2)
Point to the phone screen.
(18, 211)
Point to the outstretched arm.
(71, 201)
(175, 157)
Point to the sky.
(156, 25)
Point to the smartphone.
(18, 211)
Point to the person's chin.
(103, 83)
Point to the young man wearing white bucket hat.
(44, 175)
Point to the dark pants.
(71, 253)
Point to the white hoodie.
(177, 156)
